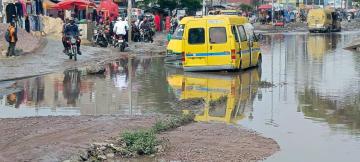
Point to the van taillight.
(233, 54)
(182, 56)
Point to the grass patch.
(140, 142)
(135, 143)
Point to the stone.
(159, 148)
(3, 53)
(95, 69)
(102, 157)
(110, 155)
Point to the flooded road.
(313, 110)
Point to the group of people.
(120, 26)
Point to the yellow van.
(323, 20)
(217, 42)
(226, 97)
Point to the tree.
(246, 7)
(191, 5)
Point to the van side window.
(217, 35)
(242, 33)
(196, 36)
(235, 33)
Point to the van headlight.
(169, 52)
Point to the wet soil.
(217, 142)
(302, 27)
(58, 138)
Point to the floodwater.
(313, 111)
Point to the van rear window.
(217, 35)
(196, 36)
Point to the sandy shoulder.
(217, 142)
(58, 138)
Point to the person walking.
(12, 39)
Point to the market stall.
(25, 13)
(81, 10)
(108, 9)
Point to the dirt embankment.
(27, 42)
(217, 142)
(58, 138)
(61, 138)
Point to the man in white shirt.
(120, 27)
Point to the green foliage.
(191, 5)
(246, 7)
(141, 142)
(144, 142)
(174, 122)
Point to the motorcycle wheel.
(74, 51)
(122, 48)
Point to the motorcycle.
(72, 50)
(119, 42)
(145, 35)
(135, 34)
(99, 38)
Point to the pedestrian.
(12, 39)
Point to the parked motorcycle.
(72, 50)
(119, 42)
(99, 38)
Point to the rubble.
(53, 26)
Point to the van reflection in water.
(225, 97)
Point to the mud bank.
(301, 27)
(58, 138)
(217, 142)
(61, 138)
(27, 42)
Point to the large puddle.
(313, 111)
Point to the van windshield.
(178, 34)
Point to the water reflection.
(337, 113)
(71, 93)
(318, 45)
(226, 97)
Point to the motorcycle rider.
(120, 27)
(145, 25)
(71, 29)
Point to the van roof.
(232, 19)
(321, 10)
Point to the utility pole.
(272, 12)
(204, 7)
(129, 19)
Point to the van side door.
(219, 46)
(244, 48)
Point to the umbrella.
(264, 7)
(110, 7)
(69, 4)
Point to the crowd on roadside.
(293, 16)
